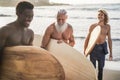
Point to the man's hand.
(59, 41)
(110, 58)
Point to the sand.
(111, 74)
(111, 69)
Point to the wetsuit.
(98, 54)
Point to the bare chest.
(64, 35)
(18, 38)
(104, 31)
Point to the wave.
(82, 37)
(116, 39)
(94, 7)
(115, 59)
(79, 37)
(110, 18)
(115, 18)
(4, 15)
(76, 17)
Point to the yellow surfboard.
(75, 65)
(30, 63)
(93, 38)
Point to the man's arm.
(110, 43)
(32, 38)
(46, 37)
(3, 37)
(72, 41)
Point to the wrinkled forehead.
(61, 16)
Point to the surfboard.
(75, 65)
(92, 40)
(30, 63)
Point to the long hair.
(105, 15)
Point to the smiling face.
(61, 19)
(24, 11)
(26, 17)
(101, 16)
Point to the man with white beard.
(59, 30)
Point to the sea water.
(79, 16)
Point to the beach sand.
(111, 74)
(111, 69)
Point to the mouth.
(27, 23)
(60, 24)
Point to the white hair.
(62, 11)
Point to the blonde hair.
(105, 15)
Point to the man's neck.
(19, 25)
(101, 23)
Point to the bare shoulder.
(9, 25)
(5, 29)
(92, 26)
(70, 27)
(30, 31)
(50, 28)
(108, 25)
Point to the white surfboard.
(93, 38)
(75, 65)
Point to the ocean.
(79, 16)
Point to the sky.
(85, 1)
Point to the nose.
(60, 21)
(29, 18)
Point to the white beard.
(61, 28)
